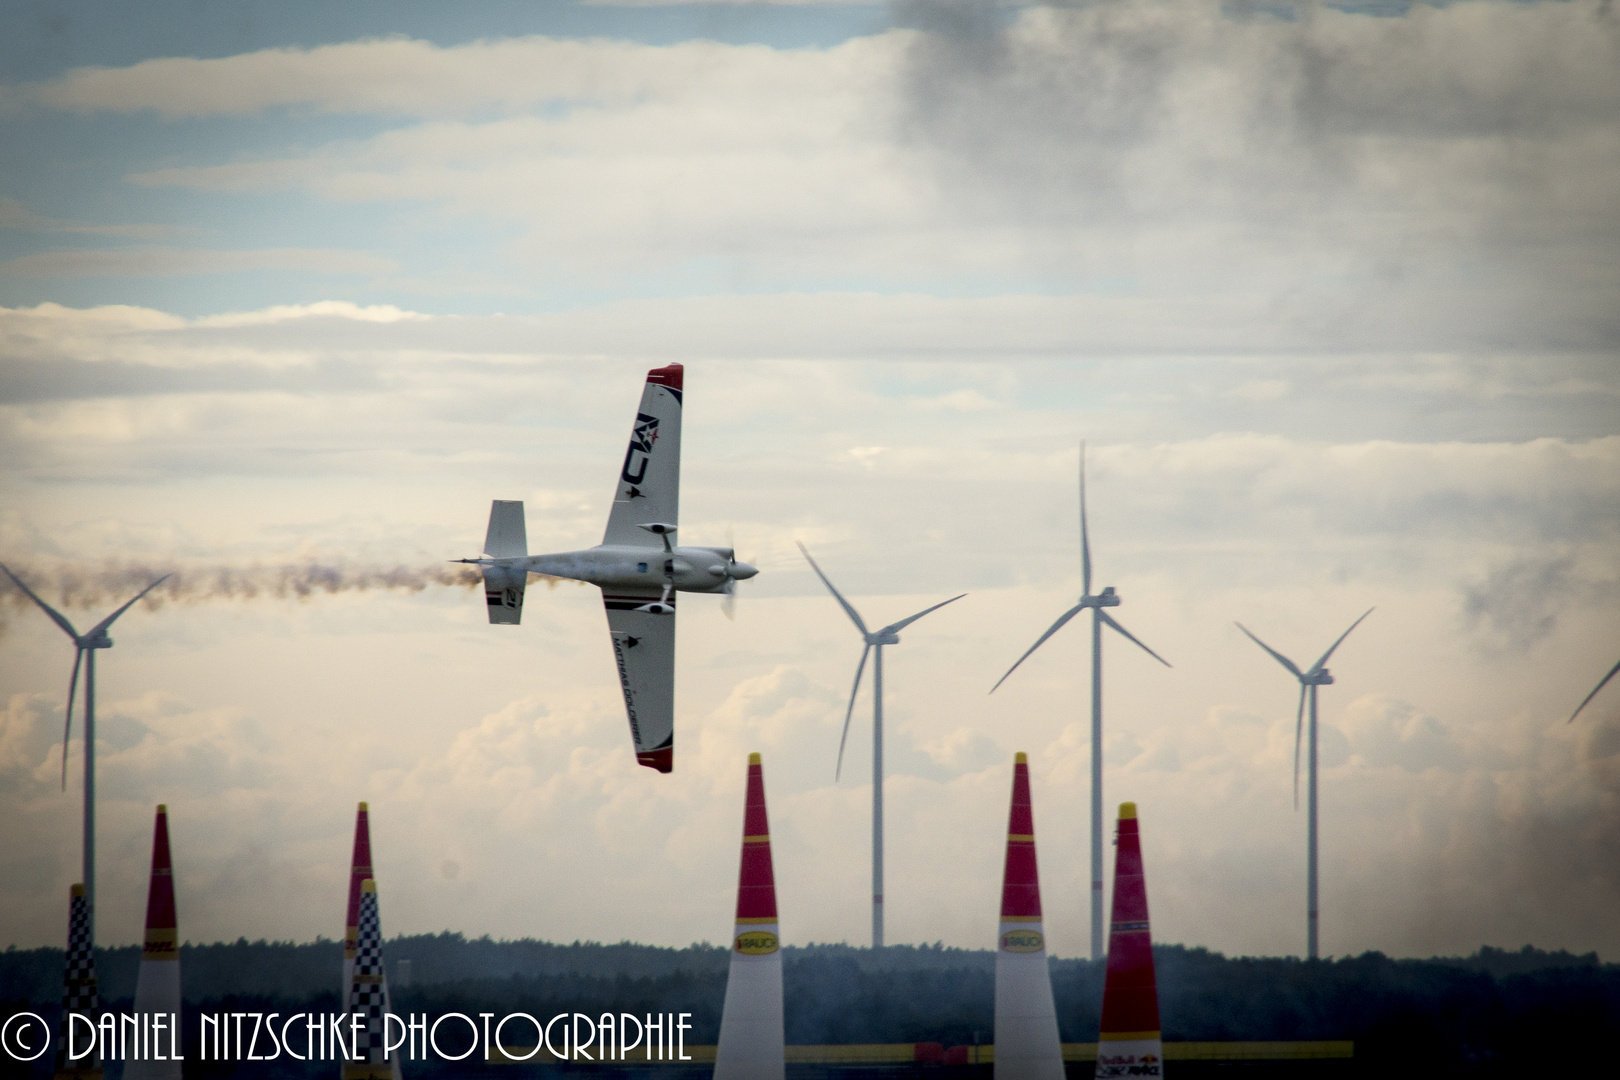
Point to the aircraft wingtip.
(669, 375)
(663, 759)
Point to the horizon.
(289, 293)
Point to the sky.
(289, 292)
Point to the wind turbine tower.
(85, 646)
(1099, 618)
(1316, 675)
(875, 640)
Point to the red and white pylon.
(751, 1035)
(1027, 1046)
(1129, 1044)
(359, 871)
(157, 988)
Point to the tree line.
(1494, 1010)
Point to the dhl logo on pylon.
(1129, 1043)
(157, 987)
(1027, 1046)
(162, 930)
(751, 1025)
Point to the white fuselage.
(621, 566)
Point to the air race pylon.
(79, 996)
(1128, 1044)
(368, 995)
(157, 988)
(751, 1021)
(1027, 1046)
(359, 871)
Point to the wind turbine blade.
(67, 720)
(1279, 657)
(1085, 535)
(1604, 682)
(895, 628)
(1109, 619)
(1299, 728)
(1318, 665)
(850, 611)
(60, 619)
(849, 712)
(1055, 627)
(108, 621)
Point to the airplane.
(637, 565)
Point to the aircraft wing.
(644, 649)
(649, 485)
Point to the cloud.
(14, 215)
(1387, 732)
(1517, 605)
(166, 262)
(1183, 174)
(1180, 143)
(400, 76)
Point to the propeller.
(735, 571)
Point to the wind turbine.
(85, 646)
(875, 640)
(1309, 680)
(1099, 618)
(1601, 684)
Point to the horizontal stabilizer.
(503, 588)
(507, 537)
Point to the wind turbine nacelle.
(100, 641)
(1108, 597)
(1323, 678)
(883, 639)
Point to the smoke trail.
(78, 586)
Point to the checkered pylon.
(368, 994)
(78, 991)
